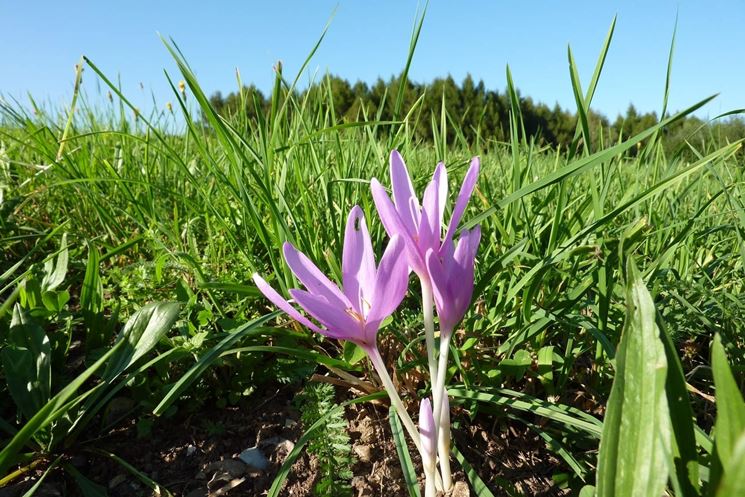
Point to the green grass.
(189, 214)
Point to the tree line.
(476, 112)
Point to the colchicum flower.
(370, 294)
(445, 271)
(421, 226)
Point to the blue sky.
(41, 41)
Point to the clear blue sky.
(40, 41)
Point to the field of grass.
(107, 215)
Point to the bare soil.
(198, 455)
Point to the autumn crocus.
(420, 225)
(445, 271)
(370, 294)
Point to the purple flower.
(421, 226)
(370, 294)
(451, 273)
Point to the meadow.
(129, 318)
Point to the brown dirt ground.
(188, 458)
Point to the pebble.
(254, 458)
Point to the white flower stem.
(442, 428)
(377, 362)
(429, 486)
(429, 327)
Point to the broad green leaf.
(49, 412)
(402, 449)
(91, 302)
(26, 363)
(55, 301)
(54, 272)
(635, 445)
(518, 364)
(587, 491)
(730, 421)
(733, 480)
(353, 353)
(141, 333)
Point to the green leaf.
(141, 333)
(353, 353)
(733, 481)
(91, 302)
(522, 402)
(518, 364)
(402, 449)
(730, 421)
(587, 491)
(52, 410)
(54, 272)
(26, 363)
(55, 301)
(635, 444)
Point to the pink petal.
(461, 271)
(466, 190)
(280, 302)
(393, 224)
(391, 284)
(407, 203)
(429, 237)
(386, 210)
(427, 431)
(338, 322)
(358, 261)
(312, 278)
(440, 288)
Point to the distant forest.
(475, 112)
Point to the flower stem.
(429, 486)
(377, 362)
(442, 429)
(429, 328)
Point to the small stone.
(460, 489)
(290, 423)
(190, 450)
(254, 458)
(361, 485)
(363, 452)
(366, 428)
